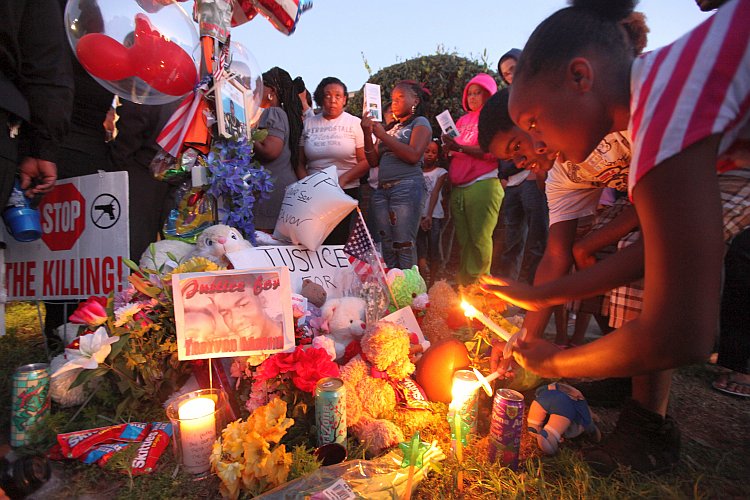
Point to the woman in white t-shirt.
(334, 137)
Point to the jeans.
(526, 220)
(397, 209)
(428, 246)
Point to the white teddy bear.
(346, 321)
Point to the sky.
(335, 37)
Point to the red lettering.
(108, 267)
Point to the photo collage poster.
(233, 313)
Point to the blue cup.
(23, 221)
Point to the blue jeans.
(428, 246)
(397, 208)
(526, 219)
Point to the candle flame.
(469, 310)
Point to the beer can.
(30, 401)
(330, 411)
(506, 426)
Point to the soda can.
(30, 401)
(506, 426)
(330, 411)
(467, 383)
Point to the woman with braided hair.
(278, 152)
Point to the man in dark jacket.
(36, 93)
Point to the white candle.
(472, 312)
(197, 433)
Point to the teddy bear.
(444, 315)
(376, 381)
(559, 411)
(408, 289)
(345, 321)
(315, 294)
(213, 244)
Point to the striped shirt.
(691, 89)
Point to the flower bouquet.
(249, 456)
(291, 377)
(240, 180)
(138, 329)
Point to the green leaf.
(87, 375)
(132, 265)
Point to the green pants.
(474, 210)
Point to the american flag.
(220, 62)
(361, 252)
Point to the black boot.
(642, 440)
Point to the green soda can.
(330, 411)
(30, 401)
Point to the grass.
(715, 462)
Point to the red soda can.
(330, 411)
(506, 426)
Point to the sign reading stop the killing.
(84, 239)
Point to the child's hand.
(425, 223)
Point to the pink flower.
(92, 312)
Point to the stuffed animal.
(345, 319)
(375, 380)
(559, 411)
(213, 243)
(216, 241)
(444, 315)
(407, 286)
(315, 293)
(165, 255)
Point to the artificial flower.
(277, 466)
(91, 312)
(230, 474)
(326, 343)
(125, 313)
(256, 452)
(93, 349)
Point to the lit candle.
(197, 433)
(471, 312)
(464, 386)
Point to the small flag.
(173, 133)
(361, 251)
(221, 63)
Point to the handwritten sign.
(233, 313)
(311, 208)
(328, 266)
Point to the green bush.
(445, 75)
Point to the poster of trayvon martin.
(233, 313)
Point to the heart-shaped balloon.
(153, 58)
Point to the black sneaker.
(607, 393)
(642, 440)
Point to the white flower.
(327, 343)
(93, 349)
(125, 313)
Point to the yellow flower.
(270, 420)
(277, 466)
(232, 436)
(230, 474)
(256, 452)
(216, 453)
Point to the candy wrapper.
(378, 479)
(196, 210)
(75, 444)
(151, 448)
(165, 167)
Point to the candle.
(197, 433)
(471, 312)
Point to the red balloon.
(104, 57)
(161, 63)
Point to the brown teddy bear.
(444, 314)
(378, 385)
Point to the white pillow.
(311, 208)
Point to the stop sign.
(63, 217)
